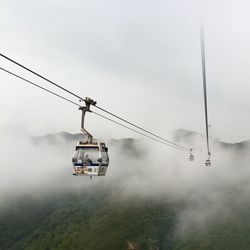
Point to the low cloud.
(147, 170)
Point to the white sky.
(139, 59)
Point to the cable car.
(208, 161)
(90, 158)
(191, 156)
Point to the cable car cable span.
(134, 125)
(203, 59)
(150, 137)
(104, 110)
(38, 86)
(44, 78)
(72, 102)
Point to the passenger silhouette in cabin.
(87, 160)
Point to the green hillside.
(100, 219)
(93, 220)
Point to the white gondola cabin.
(90, 159)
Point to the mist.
(151, 172)
(148, 51)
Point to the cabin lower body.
(90, 170)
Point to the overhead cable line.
(204, 78)
(96, 106)
(44, 78)
(66, 99)
(38, 86)
(204, 83)
(130, 123)
(150, 137)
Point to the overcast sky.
(139, 59)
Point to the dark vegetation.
(87, 220)
(100, 219)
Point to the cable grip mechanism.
(88, 102)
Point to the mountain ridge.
(179, 136)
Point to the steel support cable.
(203, 59)
(38, 86)
(134, 125)
(44, 78)
(104, 117)
(150, 137)
(104, 110)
